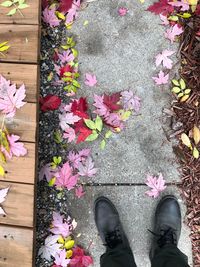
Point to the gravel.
(48, 198)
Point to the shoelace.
(113, 238)
(166, 237)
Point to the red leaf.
(65, 5)
(45, 3)
(80, 107)
(161, 7)
(197, 11)
(112, 100)
(84, 132)
(49, 102)
(64, 69)
(55, 56)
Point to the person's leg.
(167, 229)
(118, 252)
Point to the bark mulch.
(187, 115)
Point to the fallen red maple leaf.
(65, 5)
(45, 3)
(64, 69)
(79, 107)
(84, 132)
(161, 7)
(49, 102)
(197, 11)
(111, 101)
(79, 259)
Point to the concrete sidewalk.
(121, 51)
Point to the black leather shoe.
(108, 224)
(167, 224)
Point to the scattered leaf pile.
(61, 246)
(11, 99)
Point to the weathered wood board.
(23, 41)
(22, 73)
(20, 65)
(21, 169)
(19, 204)
(30, 14)
(16, 247)
(24, 122)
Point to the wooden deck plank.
(16, 247)
(30, 14)
(19, 204)
(23, 41)
(22, 73)
(21, 169)
(24, 122)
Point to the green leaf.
(67, 79)
(4, 43)
(12, 12)
(58, 137)
(75, 83)
(195, 153)
(60, 15)
(173, 18)
(52, 181)
(182, 84)
(53, 165)
(181, 94)
(74, 52)
(4, 141)
(187, 91)
(76, 75)
(22, 6)
(92, 137)
(103, 144)
(108, 134)
(68, 74)
(125, 114)
(21, 2)
(90, 124)
(7, 4)
(70, 88)
(175, 82)
(4, 48)
(57, 160)
(185, 15)
(176, 90)
(65, 47)
(99, 123)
